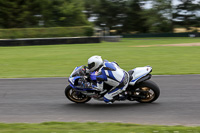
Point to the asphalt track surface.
(43, 99)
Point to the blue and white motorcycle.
(140, 88)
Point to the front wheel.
(75, 96)
(149, 90)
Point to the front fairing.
(78, 73)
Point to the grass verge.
(74, 127)
(60, 60)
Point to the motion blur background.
(116, 17)
(100, 18)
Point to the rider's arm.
(98, 86)
(100, 81)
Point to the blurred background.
(114, 17)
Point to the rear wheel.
(149, 90)
(76, 96)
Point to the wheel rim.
(77, 96)
(149, 94)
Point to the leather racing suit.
(111, 74)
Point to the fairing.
(77, 74)
(140, 72)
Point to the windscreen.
(79, 72)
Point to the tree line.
(124, 16)
(44, 13)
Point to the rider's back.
(112, 74)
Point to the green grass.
(60, 60)
(73, 127)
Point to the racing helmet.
(94, 63)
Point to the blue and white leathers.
(111, 74)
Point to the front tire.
(76, 96)
(152, 91)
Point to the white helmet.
(94, 63)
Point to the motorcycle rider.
(109, 73)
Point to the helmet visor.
(91, 65)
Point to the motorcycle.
(140, 88)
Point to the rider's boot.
(108, 99)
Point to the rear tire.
(76, 96)
(152, 91)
